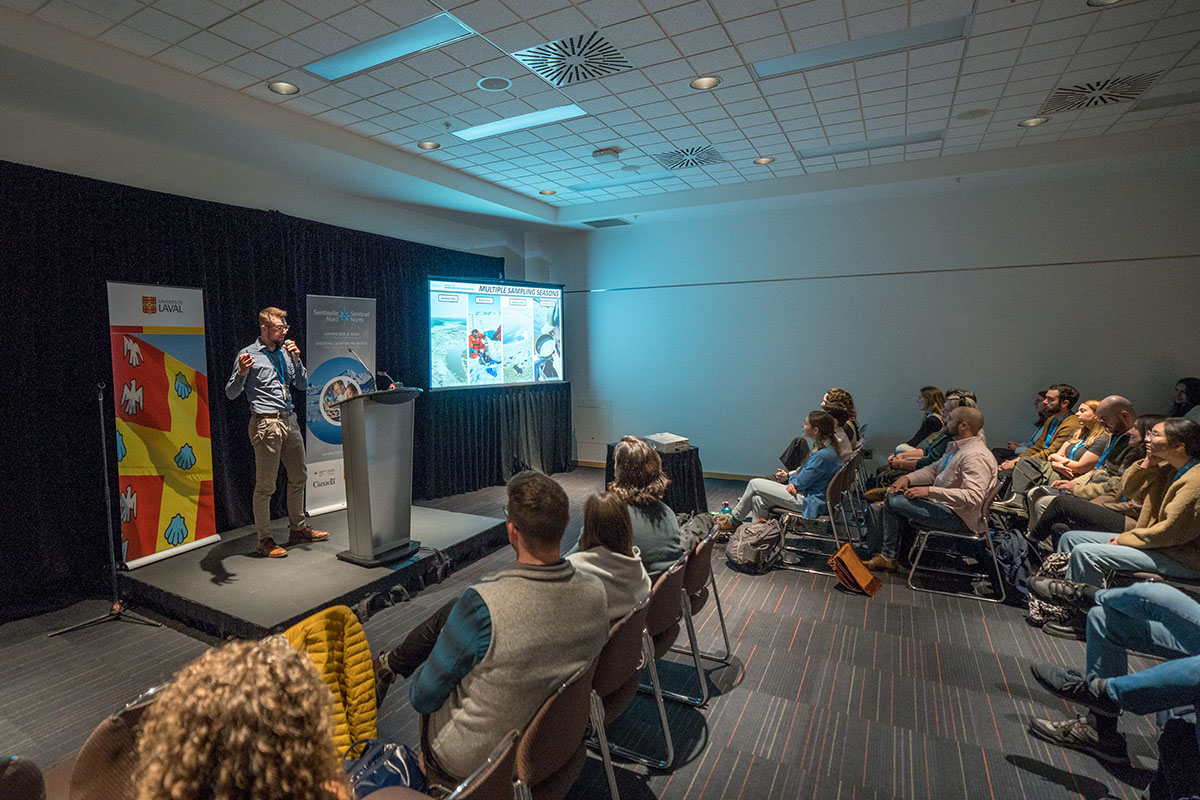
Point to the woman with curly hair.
(840, 405)
(245, 721)
(639, 480)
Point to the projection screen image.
(494, 333)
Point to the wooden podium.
(377, 447)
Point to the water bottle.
(725, 509)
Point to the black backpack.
(755, 547)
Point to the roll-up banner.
(336, 326)
(164, 447)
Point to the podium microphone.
(368, 369)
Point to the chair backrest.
(104, 767)
(665, 609)
(621, 658)
(837, 487)
(21, 779)
(556, 733)
(493, 779)
(697, 572)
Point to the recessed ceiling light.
(283, 87)
(1032, 122)
(428, 145)
(494, 84)
(547, 191)
(531, 120)
(1101, 3)
(763, 160)
(429, 33)
(707, 82)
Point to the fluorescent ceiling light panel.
(856, 49)
(428, 33)
(1168, 101)
(653, 176)
(871, 144)
(520, 123)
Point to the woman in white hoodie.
(606, 550)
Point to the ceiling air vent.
(574, 60)
(689, 157)
(1098, 93)
(607, 223)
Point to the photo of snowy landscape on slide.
(488, 334)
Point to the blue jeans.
(1092, 557)
(1151, 618)
(925, 514)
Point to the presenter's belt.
(274, 415)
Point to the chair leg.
(920, 543)
(722, 659)
(632, 755)
(694, 651)
(602, 739)
(521, 791)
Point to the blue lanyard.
(1179, 473)
(1071, 453)
(945, 462)
(1111, 442)
(279, 368)
(1050, 429)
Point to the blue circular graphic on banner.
(332, 381)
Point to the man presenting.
(267, 370)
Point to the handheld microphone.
(295, 358)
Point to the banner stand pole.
(117, 611)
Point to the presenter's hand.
(292, 348)
(791, 490)
(182, 387)
(185, 458)
(177, 531)
(916, 492)
(245, 362)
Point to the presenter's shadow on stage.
(214, 558)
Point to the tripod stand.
(116, 611)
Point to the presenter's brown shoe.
(268, 549)
(305, 535)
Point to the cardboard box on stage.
(667, 442)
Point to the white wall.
(735, 366)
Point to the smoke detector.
(607, 154)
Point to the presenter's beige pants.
(275, 439)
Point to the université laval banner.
(164, 446)
(336, 326)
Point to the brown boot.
(268, 549)
(306, 534)
(881, 563)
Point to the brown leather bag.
(851, 572)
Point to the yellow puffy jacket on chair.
(335, 641)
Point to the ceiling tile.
(1060, 29)
(1004, 19)
(486, 15)
(320, 9)
(280, 17)
(812, 14)
(634, 32)
(74, 18)
(716, 62)
(888, 81)
(228, 76)
(687, 17)
(200, 13)
(701, 41)
(246, 32)
(933, 72)
(1041, 52)
(624, 81)
(362, 23)
(644, 55)
(733, 94)
(996, 42)
(257, 65)
(185, 60)
(562, 24)
(894, 95)
(765, 49)
(143, 44)
(290, 52)
(819, 36)
(472, 51)
(890, 63)
(1102, 60)
(992, 61)
(515, 37)
(403, 12)
(160, 25)
(880, 22)
(323, 38)
(363, 86)
(305, 105)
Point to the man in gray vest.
(508, 643)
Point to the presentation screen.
(494, 333)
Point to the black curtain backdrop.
(64, 237)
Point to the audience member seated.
(1054, 511)
(1077, 456)
(638, 479)
(1058, 428)
(245, 720)
(606, 550)
(918, 459)
(1149, 618)
(930, 400)
(1011, 449)
(485, 664)
(1187, 399)
(802, 490)
(948, 495)
(839, 404)
(1167, 537)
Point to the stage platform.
(226, 590)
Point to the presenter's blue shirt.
(266, 384)
(813, 478)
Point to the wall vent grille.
(574, 60)
(608, 223)
(689, 157)
(1098, 93)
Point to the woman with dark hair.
(640, 482)
(607, 551)
(840, 404)
(245, 721)
(802, 490)
(1187, 399)
(930, 400)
